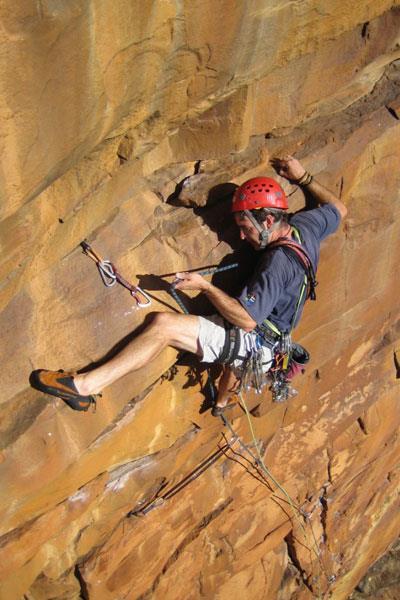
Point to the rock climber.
(268, 304)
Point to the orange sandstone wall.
(119, 123)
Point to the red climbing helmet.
(259, 192)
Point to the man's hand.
(292, 169)
(228, 307)
(289, 167)
(190, 281)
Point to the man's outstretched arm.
(293, 170)
(228, 307)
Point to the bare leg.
(167, 329)
(228, 387)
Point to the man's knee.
(161, 320)
(166, 324)
(177, 330)
(159, 324)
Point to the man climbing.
(268, 305)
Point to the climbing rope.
(258, 460)
(140, 510)
(213, 270)
(296, 510)
(177, 299)
(111, 276)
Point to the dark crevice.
(173, 198)
(370, 501)
(292, 554)
(324, 512)
(362, 425)
(84, 593)
(393, 112)
(341, 187)
(365, 30)
(122, 159)
(329, 465)
(396, 361)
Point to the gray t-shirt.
(274, 289)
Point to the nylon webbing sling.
(269, 330)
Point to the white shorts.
(212, 335)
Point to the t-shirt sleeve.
(262, 291)
(322, 221)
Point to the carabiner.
(107, 273)
(135, 293)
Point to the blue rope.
(210, 271)
(213, 270)
(179, 302)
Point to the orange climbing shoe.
(60, 384)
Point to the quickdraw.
(254, 372)
(111, 276)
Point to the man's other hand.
(289, 167)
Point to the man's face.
(247, 230)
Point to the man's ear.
(269, 221)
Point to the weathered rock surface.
(382, 579)
(127, 124)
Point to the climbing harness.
(111, 276)
(231, 345)
(255, 372)
(302, 258)
(143, 509)
(289, 358)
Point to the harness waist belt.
(231, 345)
(268, 334)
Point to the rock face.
(126, 123)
